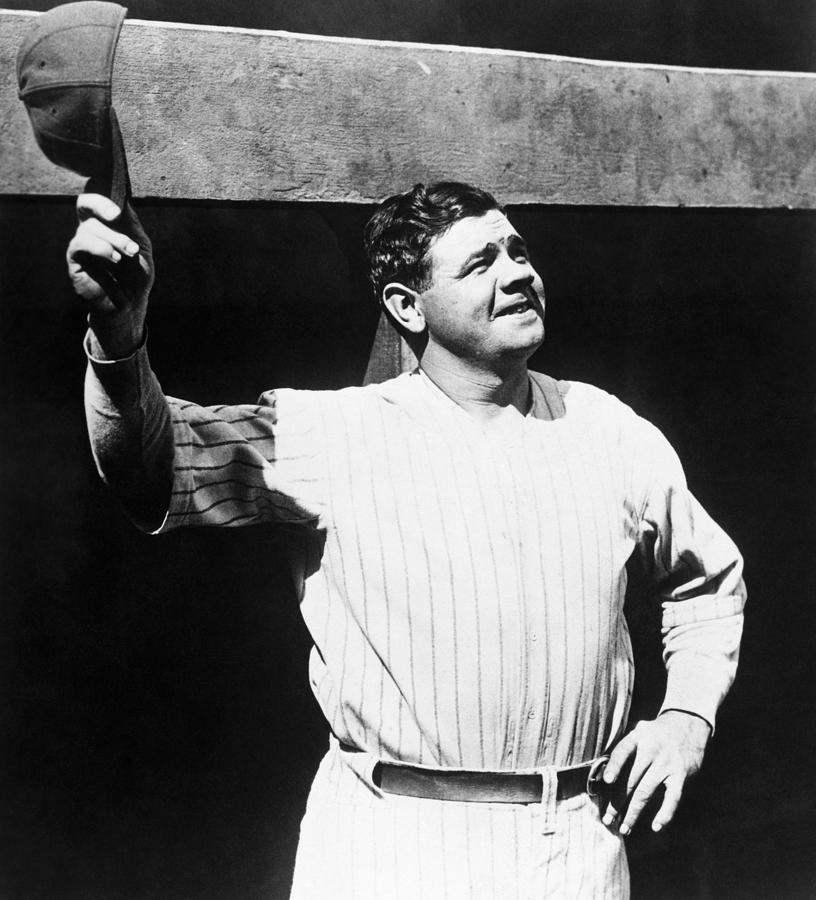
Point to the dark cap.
(64, 70)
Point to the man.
(459, 535)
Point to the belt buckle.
(595, 783)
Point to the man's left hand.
(663, 751)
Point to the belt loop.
(362, 763)
(549, 799)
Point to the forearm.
(697, 572)
(701, 660)
(130, 432)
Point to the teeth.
(517, 308)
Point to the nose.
(517, 273)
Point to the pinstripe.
(453, 595)
(412, 660)
(498, 615)
(224, 465)
(514, 538)
(428, 583)
(516, 867)
(455, 471)
(477, 600)
(420, 856)
(339, 566)
(554, 721)
(387, 605)
(601, 693)
(398, 880)
(595, 509)
(601, 518)
(232, 520)
(524, 614)
(352, 856)
(479, 540)
(203, 424)
(213, 484)
(354, 537)
(233, 442)
(232, 498)
(585, 845)
(545, 681)
(549, 871)
(468, 854)
(570, 728)
(374, 854)
(441, 848)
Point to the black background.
(157, 735)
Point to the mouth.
(519, 308)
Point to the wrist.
(115, 336)
(690, 720)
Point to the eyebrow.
(478, 254)
(514, 241)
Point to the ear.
(405, 306)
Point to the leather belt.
(486, 787)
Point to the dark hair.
(398, 235)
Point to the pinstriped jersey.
(463, 584)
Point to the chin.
(531, 341)
(519, 352)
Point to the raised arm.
(110, 263)
(170, 462)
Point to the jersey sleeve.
(697, 572)
(235, 465)
(218, 465)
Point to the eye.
(477, 267)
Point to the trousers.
(359, 843)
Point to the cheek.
(453, 314)
(538, 287)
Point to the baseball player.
(459, 536)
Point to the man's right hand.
(110, 263)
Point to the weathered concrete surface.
(233, 114)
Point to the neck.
(480, 391)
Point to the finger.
(611, 815)
(674, 790)
(122, 242)
(98, 207)
(619, 757)
(87, 245)
(648, 785)
(102, 274)
(132, 225)
(619, 798)
(639, 767)
(616, 800)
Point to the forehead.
(469, 235)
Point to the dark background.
(157, 735)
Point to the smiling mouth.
(516, 309)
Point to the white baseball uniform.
(463, 587)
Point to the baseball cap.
(64, 72)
